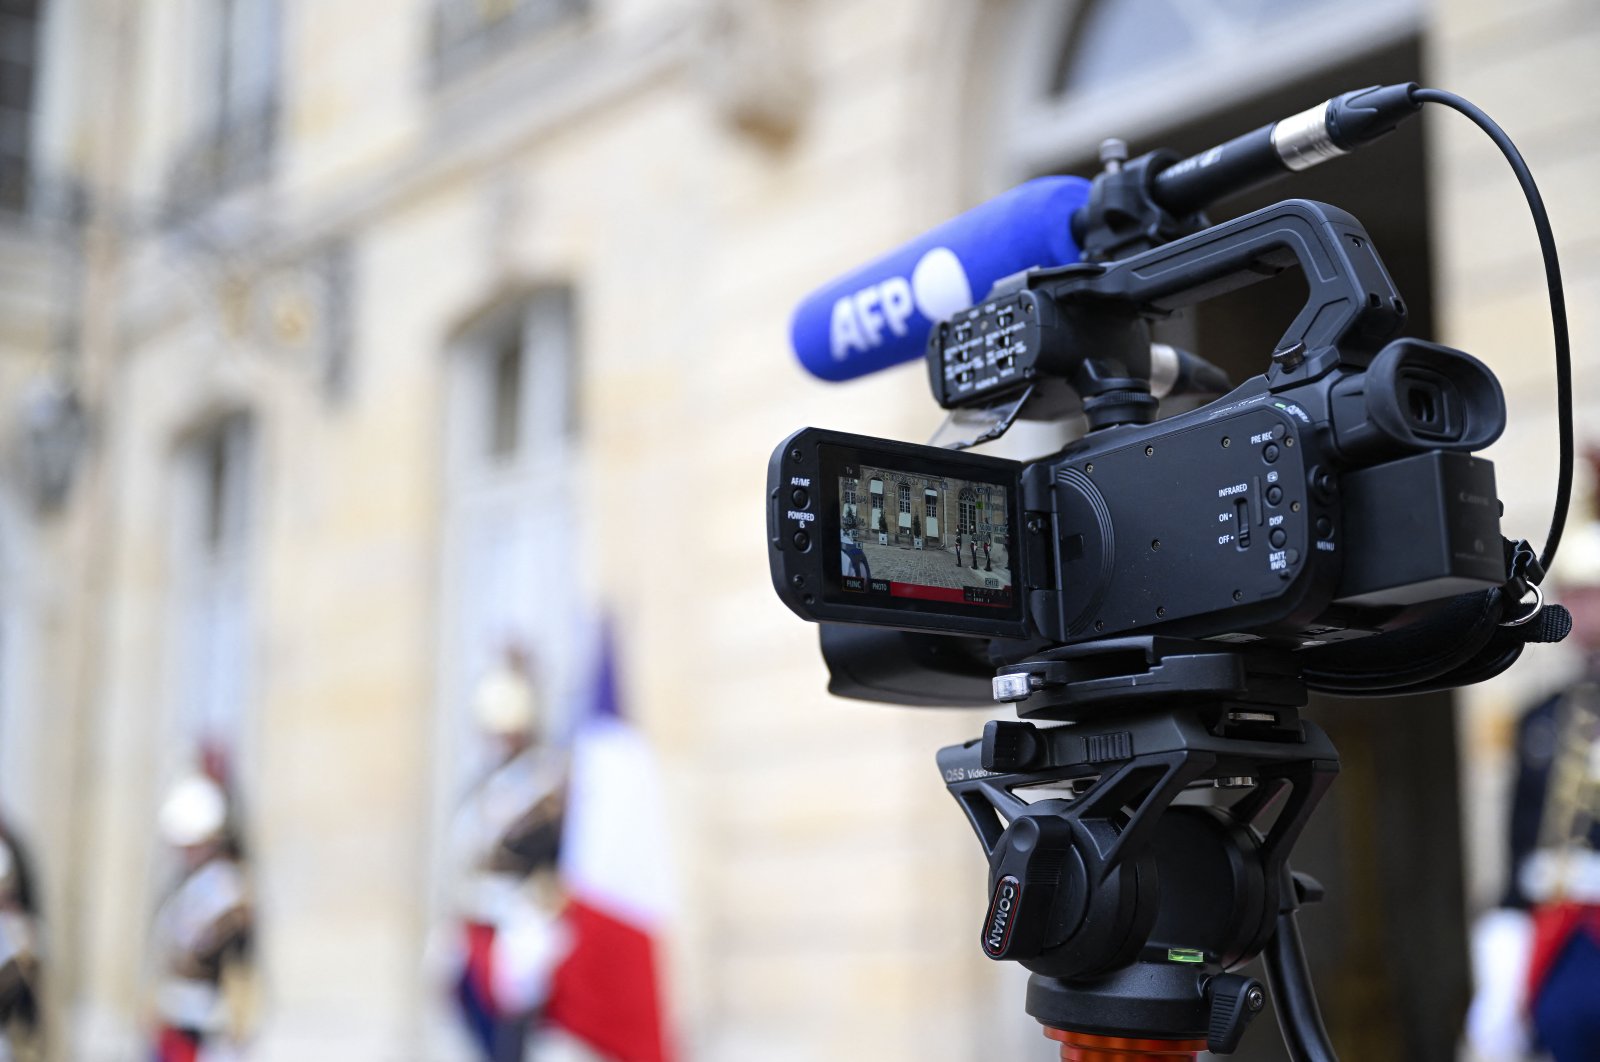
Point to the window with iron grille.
(211, 557)
(19, 46)
(235, 124)
(468, 33)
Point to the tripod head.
(1154, 859)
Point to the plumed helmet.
(1576, 572)
(504, 702)
(1578, 560)
(194, 812)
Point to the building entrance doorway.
(1387, 947)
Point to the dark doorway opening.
(1387, 947)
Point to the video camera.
(1311, 505)
(1332, 498)
(1172, 588)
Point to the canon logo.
(1002, 915)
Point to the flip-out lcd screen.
(920, 539)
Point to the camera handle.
(1119, 962)
(1351, 308)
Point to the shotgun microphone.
(880, 314)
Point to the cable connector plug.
(1362, 116)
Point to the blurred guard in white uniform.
(1536, 957)
(19, 963)
(203, 931)
(505, 840)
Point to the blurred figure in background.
(506, 840)
(19, 958)
(1536, 958)
(203, 931)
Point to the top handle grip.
(1351, 308)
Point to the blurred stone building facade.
(343, 345)
(912, 506)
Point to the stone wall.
(688, 169)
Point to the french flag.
(607, 992)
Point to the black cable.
(1294, 999)
(1558, 304)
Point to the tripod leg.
(1294, 999)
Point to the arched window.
(968, 509)
(1079, 72)
(212, 543)
(514, 528)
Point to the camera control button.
(801, 540)
(1274, 494)
(800, 497)
(1278, 537)
(1269, 453)
(1324, 527)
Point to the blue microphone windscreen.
(879, 315)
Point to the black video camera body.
(1316, 503)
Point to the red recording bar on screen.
(956, 594)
